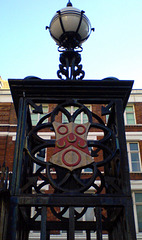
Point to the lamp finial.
(69, 4)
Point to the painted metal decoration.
(71, 150)
(71, 155)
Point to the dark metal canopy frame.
(110, 195)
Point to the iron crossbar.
(64, 200)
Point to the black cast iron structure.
(106, 187)
(110, 195)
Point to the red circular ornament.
(83, 129)
(71, 138)
(71, 164)
(60, 143)
(62, 129)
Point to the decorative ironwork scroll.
(70, 67)
(71, 156)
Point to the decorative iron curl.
(71, 117)
(65, 210)
(70, 181)
(67, 181)
(70, 67)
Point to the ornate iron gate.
(107, 161)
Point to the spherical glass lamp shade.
(70, 27)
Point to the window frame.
(83, 218)
(135, 204)
(34, 164)
(72, 111)
(129, 151)
(128, 112)
(39, 115)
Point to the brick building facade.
(133, 126)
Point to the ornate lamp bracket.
(70, 67)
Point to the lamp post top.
(69, 4)
(69, 28)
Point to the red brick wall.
(97, 109)
(13, 118)
(7, 151)
(2, 149)
(5, 113)
(138, 112)
(133, 128)
(10, 152)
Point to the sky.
(113, 50)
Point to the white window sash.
(38, 116)
(35, 165)
(129, 156)
(135, 204)
(81, 115)
(127, 112)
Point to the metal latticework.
(80, 173)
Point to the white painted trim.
(135, 96)
(96, 134)
(5, 96)
(133, 133)
(136, 185)
(47, 134)
(11, 134)
(133, 136)
(8, 125)
(136, 91)
(130, 136)
(89, 134)
(36, 236)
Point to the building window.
(81, 118)
(88, 170)
(134, 157)
(138, 208)
(129, 115)
(66, 215)
(89, 215)
(35, 117)
(41, 155)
